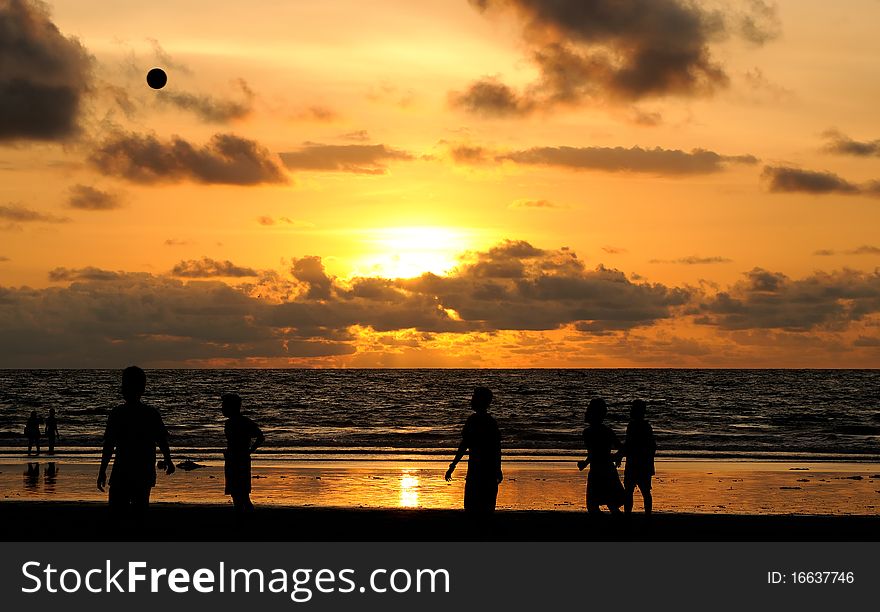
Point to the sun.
(407, 252)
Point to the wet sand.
(681, 486)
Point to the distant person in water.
(603, 483)
(481, 439)
(32, 432)
(133, 432)
(243, 437)
(51, 430)
(639, 449)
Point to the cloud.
(85, 197)
(611, 250)
(771, 300)
(15, 214)
(785, 179)
(208, 108)
(310, 271)
(226, 159)
(606, 50)
(3, 258)
(844, 145)
(269, 221)
(88, 273)
(44, 75)
(527, 204)
(209, 268)
(692, 260)
(865, 249)
(359, 159)
(172, 242)
(356, 136)
(636, 159)
(320, 114)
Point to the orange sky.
(680, 185)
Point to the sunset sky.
(450, 183)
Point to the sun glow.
(409, 490)
(407, 252)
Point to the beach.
(394, 499)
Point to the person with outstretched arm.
(133, 431)
(481, 439)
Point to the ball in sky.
(156, 78)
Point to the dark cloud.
(3, 258)
(844, 145)
(320, 114)
(692, 260)
(488, 96)
(768, 300)
(175, 242)
(611, 250)
(86, 197)
(44, 75)
(15, 214)
(620, 51)
(154, 320)
(226, 159)
(209, 268)
(360, 159)
(88, 273)
(357, 136)
(208, 108)
(310, 271)
(636, 159)
(784, 179)
(824, 252)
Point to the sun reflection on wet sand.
(409, 490)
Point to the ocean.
(803, 414)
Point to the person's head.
(33, 414)
(231, 404)
(638, 409)
(51, 412)
(596, 411)
(481, 399)
(134, 383)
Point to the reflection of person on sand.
(32, 476)
(482, 440)
(603, 483)
(639, 449)
(240, 430)
(32, 431)
(133, 432)
(51, 430)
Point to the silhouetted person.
(603, 483)
(133, 432)
(639, 449)
(32, 476)
(51, 430)
(481, 439)
(32, 432)
(242, 438)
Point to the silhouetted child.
(603, 483)
(133, 432)
(639, 449)
(481, 439)
(32, 432)
(242, 438)
(51, 430)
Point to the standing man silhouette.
(51, 430)
(482, 440)
(133, 432)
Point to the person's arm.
(462, 449)
(585, 462)
(106, 454)
(259, 438)
(162, 442)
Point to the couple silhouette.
(133, 432)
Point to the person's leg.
(629, 491)
(30, 446)
(51, 450)
(645, 488)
